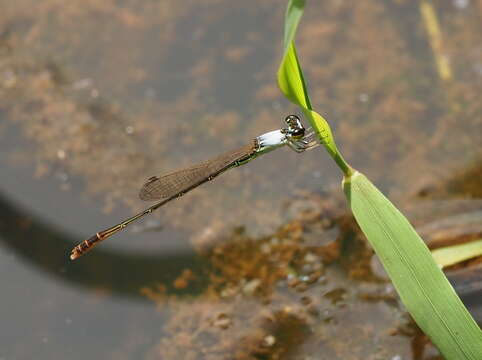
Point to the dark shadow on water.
(123, 274)
(467, 282)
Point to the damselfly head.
(295, 129)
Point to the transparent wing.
(160, 187)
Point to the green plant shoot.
(421, 284)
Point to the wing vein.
(183, 180)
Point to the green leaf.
(292, 83)
(454, 254)
(422, 286)
(292, 19)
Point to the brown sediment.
(262, 289)
(184, 279)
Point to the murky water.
(264, 262)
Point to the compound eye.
(295, 128)
(300, 132)
(293, 120)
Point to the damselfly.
(172, 186)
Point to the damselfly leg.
(307, 142)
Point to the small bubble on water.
(61, 154)
(62, 176)
(251, 286)
(222, 321)
(461, 4)
(129, 130)
(269, 341)
(363, 97)
(82, 84)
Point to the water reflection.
(119, 273)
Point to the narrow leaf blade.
(422, 286)
(454, 254)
